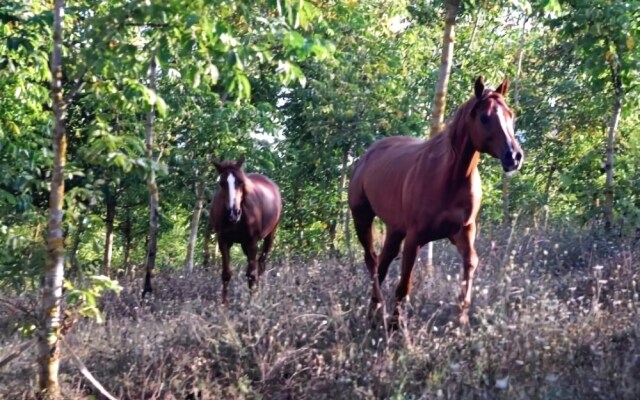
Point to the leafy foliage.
(301, 88)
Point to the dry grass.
(555, 316)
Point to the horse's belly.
(232, 235)
(393, 218)
(441, 224)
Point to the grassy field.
(555, 316)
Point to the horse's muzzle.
(235, 214)
(512, 161)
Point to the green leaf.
(293, 40)
(161, 106)
(212, 72)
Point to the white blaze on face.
(231, 180)
(507, 127)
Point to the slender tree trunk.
(446, 60)
(440, 97)
(506, 180)
(50, 311)
(475, 30)
(611, 136)
(547, 194)
(506, 184)
(110, 201)
(126, 232)
(207, 260)
(75, 245)
(344, 206)
(193, 232)
(333, 231)
(152, 246)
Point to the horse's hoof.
(463, 318)
(394, 324)
(225, 300)
(375, 314)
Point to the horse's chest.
(247, 227)
(449, 215)
(233, 232)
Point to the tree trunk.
(611, 136)
(446, 59)
(344, 205)
(506, 179)
(440, 97)
(193, 232)
(152, 245)
(207, 260)
(506, 183)
(126, 232)
(75, 245)
(110, 201)
(333, 231)
(50, 312)
(474, 32)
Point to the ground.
(555, 316)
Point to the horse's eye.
(484, 118)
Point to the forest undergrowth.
(554, 316)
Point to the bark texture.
(152, 244)
(193, 231)
(50, 313)
(446, 60)
(440, 97)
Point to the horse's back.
(378, 176)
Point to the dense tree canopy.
(301, 88)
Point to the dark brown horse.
(245, 209)
(430, 190)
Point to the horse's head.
(232, 180)
(493, 126)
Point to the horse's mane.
(443, 144)
(454, 128)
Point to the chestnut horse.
(430, 190)
(245, 209)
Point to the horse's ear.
(504, 86)
(217, 165)
(240, 161)
(479, 87)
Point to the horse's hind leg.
(266, 248)
(226, 269)
(251, 251)
(390, 250)
(363, 217)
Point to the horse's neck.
(466, 157)
(249, 190)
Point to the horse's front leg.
(266, 247)
(226, 269)
(409, 253)
(464, 241)
(251, 251)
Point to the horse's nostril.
(518, 156)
